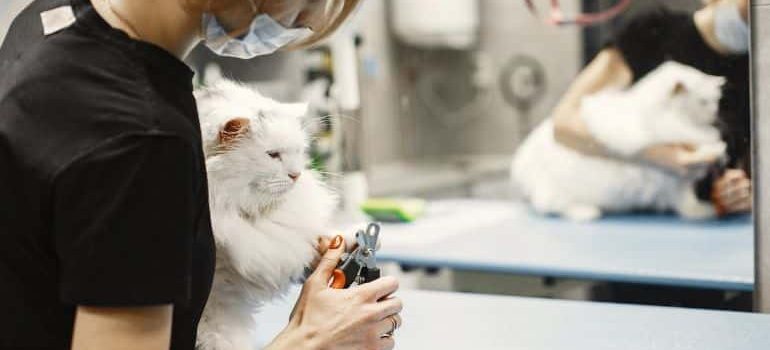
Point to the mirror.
(582, 157)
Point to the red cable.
(557, 17)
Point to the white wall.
(8, 10)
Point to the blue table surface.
(507, 237)
(436, 320)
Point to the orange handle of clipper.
(338, 279)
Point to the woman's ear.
(233, 130)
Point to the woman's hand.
(731, 193)
(323, 246)
(354, 318)
(682, 159)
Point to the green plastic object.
(394, 209)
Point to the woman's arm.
(608, 69)
(118, 328)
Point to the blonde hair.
(337, 11)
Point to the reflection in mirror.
(639, 128)
(617, 153)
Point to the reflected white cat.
(674, 104)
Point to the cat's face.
(692, 92)
(253, 144)
(272, 152)
(700, 98)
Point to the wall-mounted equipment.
(450, 24)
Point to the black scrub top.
(103, 196)
(658, 35)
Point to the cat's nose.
(294, 176)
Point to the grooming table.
(508, 237)
(437, 320)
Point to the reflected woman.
(715, 40)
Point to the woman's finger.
(387, 326)
(321, 247)
(734, 207)
(735, 193)
(738, 204)
(323, 244)
(735, 173)
(328, 262)
(379, 288)
(387, 343)
(738, 208)
(739, 180)
(389, 306)
(690, 158)
(744, 207)
(733, 177)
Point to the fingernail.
(336, 242)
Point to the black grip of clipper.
(371, 274)
(350, 269)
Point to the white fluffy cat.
(267, 209)
(673, 104)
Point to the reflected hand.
(731, 193)
(682, 159)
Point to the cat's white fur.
(265, 225)
(673, 104)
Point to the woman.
(105, 226)
(715, 40)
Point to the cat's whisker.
(345, 117)
(330, 174)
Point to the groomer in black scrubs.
(105, 235)
(715, 40)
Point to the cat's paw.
(582, 213)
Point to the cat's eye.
(274, 155)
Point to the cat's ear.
(679, 89)
(233, 130)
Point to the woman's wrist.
(296, 337)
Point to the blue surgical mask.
(731, 29)
(265, 36)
